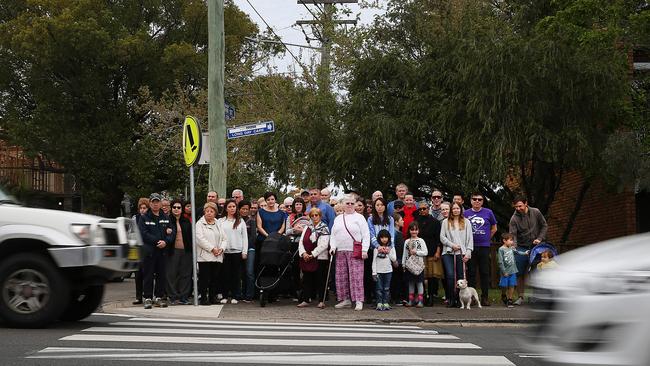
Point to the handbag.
(312, 265)
(357, 246)
(414, 263)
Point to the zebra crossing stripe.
(271, 327)
(262, 324)
(259, 358)
(232, 332)
(261, 341)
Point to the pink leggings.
(349, 277)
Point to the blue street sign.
(251, 129)
(230, 111)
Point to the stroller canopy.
(540, 248)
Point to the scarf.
(318, 230)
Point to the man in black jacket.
(157, 233)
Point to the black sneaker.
(510, 303)
(504, 298)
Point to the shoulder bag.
(357, 246)
(414, 263)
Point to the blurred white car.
(594, 309)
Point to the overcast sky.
(282, 16)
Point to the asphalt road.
(118, 340)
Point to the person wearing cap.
(157, 233)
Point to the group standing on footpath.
(374, 251)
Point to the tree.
(463, 94)
(72, 78)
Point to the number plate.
(134, 254)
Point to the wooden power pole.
(326, 23)
(216, 113)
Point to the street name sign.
(251, 129)
(191, 141)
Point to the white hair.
(237, 191)
(288, 201)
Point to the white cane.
(329, 268)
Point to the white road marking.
(261, 341)
(251, 333)
(284, 358)
(282, 327)
(335, 325)
(110, 314)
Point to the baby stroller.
(275, 266)
(534, 257)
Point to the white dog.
(466, 294)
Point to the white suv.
(54, 264)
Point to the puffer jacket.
(209, 237)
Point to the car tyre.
(83, 303)
(33, 293)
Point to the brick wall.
(604, 214)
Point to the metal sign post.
(192, 152)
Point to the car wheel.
(83, 303)
(34, 293)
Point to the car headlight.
(626, 282)
(81, 231)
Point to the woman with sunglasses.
(179, 258)
(312, 249)
(350, 241)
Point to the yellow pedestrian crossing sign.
(191, 140)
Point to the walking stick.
(327, 280)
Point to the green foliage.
(71, 84)
(458, 93)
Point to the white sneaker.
(343, 304)
(519, 301)
(233, 301)
(359, 306)
(224, 301)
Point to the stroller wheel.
(262, 299)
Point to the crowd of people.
(360, 251)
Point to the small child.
(382, 270)
(547, 261)
(414, 246)
(508, 268)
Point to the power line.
(279, 39)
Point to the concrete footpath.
(119, 296)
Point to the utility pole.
(216, 113)
(326, 23)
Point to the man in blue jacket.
(157, 233)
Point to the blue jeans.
(448, 263)
(250, 275)
(382, 287)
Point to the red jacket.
(409, 216)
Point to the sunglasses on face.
(349, 203)
(436, 197)
(176, 207)
(423, 208)
(477, 199)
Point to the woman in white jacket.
(313, 248)
(457, 246)
(235, 253)
(348, 228)
(211, 241)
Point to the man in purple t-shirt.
(484, 225)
